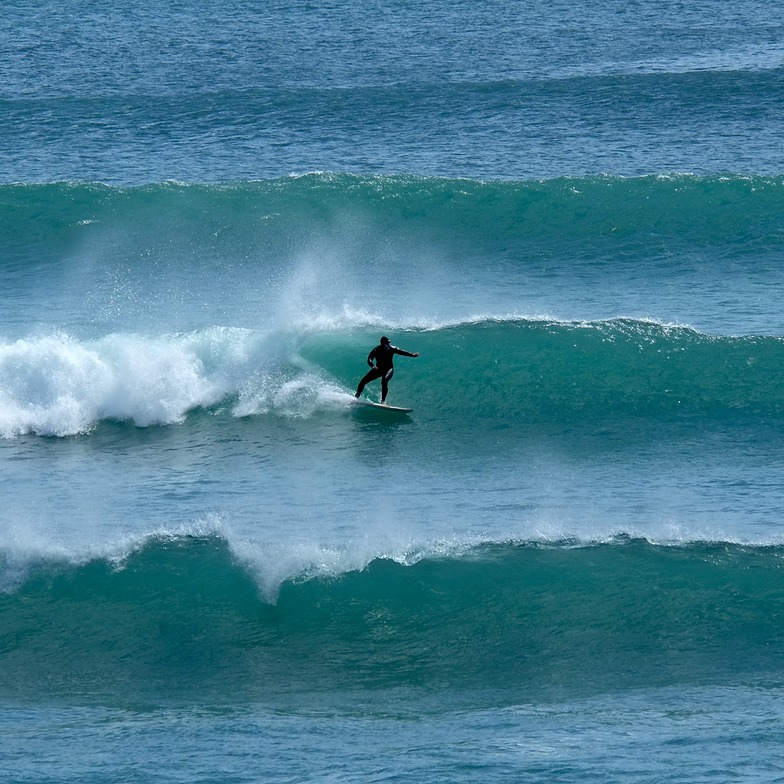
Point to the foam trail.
(57, 385)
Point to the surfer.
(382, 356)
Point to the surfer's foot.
(357, 396)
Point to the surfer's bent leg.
(385, 383)
(369, 376)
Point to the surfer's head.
(384, 339)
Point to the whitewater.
(563, 565)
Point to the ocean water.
(565, 565)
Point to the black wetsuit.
(382, 354)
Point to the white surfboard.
(382, 406)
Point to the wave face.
(184, 614)
(520, 371)
(545, 300)
(552, 371)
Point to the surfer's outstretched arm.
(405, 353)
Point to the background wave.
(514, 617)
(739, 211)
(286, 253)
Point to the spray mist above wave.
(273, 254)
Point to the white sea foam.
(57, 385)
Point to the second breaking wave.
(183, 614)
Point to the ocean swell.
(586, 215)
(499, 616)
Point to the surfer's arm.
(405, 353)
(371, 357)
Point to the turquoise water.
(564, 565)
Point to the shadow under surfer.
(382, 355)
